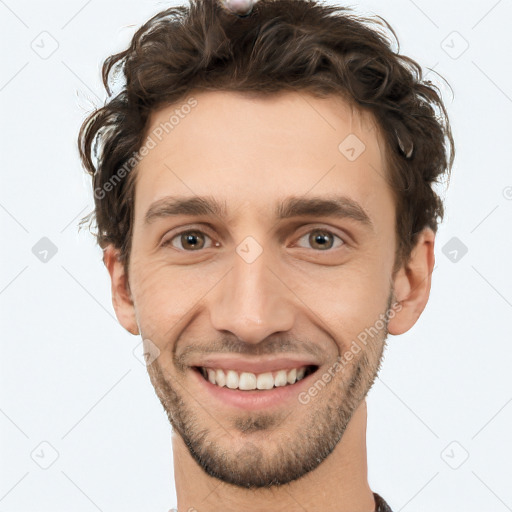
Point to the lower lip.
(254, 399)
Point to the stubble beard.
(273, 449)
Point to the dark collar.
(380, 504)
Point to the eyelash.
(168, 242)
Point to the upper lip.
(259, 365)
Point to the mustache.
(274, 345)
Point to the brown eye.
(321, 239)
(188, 240)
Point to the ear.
(412, 284)
(121, 295)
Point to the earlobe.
(412, 284)
(121, 296)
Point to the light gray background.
(69, 376)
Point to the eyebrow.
(337, 206)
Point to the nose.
(252, 302)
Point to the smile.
(247, 381)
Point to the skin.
(297, 297)
(241, 7)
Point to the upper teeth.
(248, 380)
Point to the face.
(263, 247)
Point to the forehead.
(247, 149)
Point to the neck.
(338, 484)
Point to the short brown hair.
(296, 45)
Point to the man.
(263, 196)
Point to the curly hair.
(281, 45)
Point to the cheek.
(165, 295)
(349, 298)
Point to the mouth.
(249, 381)
(229, 382)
